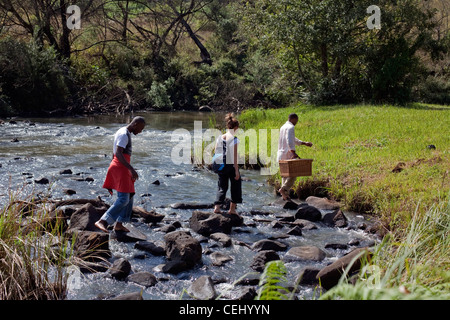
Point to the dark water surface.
(44, 147)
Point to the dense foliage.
(176, 54)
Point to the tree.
(329, 52)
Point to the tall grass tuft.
(410, 265)
(33, 253)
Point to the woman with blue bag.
(225, 164)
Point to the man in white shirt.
(286, 150)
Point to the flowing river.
(31, 149)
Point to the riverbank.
(392, 163)
(384, 160)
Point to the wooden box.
(296, 167)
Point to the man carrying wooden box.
(286, 151)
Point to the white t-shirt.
(287, 141)
(122, 138)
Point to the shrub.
(33, 78)
(158, 95)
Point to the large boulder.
(84, 218)
(182, 247)
(206, 223)
(309, 213)
(330, 275)
(91, 246)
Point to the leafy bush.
(158, 95)
(34, 79)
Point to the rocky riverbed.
(191, 255)
(177, 248)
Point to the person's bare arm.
(121, 158)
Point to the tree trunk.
(64, 41)
(204, 54)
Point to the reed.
(412, 267)
(33, 252)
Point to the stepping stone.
(133, 236)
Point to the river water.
(31, 149)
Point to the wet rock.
(220, 258)
(129, 296)
(336, 246)
(66, 171)
(202, 288)
(206, 223)
(168, 228)
(120, 269)
(224, 239)
(91, 246)
(330, 275)
(307, 276)
(353, 242)
(42, 181)
(133, 235)
(84, 219)
(174, 267)
(14, 140)
(276, 225)
(285, 217)
(290, 205)
(308, 212)
(247, 293)
(189, 206)
(264, 244)
(69, 192)
(322, 203)
(148, 216)
(305, 224)
(262, 257)
(182, 247)
(295, 231)
(144, 278)
(305, 253)
(335, 219)
(93, 266)
(150, 247)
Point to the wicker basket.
(296, 167)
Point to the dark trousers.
(236, 185)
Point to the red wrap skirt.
(119, 177)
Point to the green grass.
(33, 252)
(356, 148)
